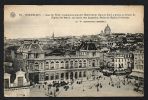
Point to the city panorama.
(104, 64)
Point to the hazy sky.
(41, 26)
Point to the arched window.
(80, 64)
(84, 63)
(47, 65)
(52, 65)
(62, 65)
(71, 64)
(46, 77)
(76, 64)
(67, 64)
(30, 66)
(36, 66)
(41, 65)
(93, 63)
(57, 65)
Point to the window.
(62, 64)
(52, 77)
(46, 77)
(67, 64)
(122, 65)
(36, 55)
(47, 65)
(84, 74)
(76, 75)
(41, 65)
(36, 66)
(93, 63)
(57, 76)
(80, 64)
(84, 63)
(67, 76)
(52, 65)
(80, 74)
(76, 64)
(57, 65)
(71, 64)
(30, 66)
(94, 53)
(62, 75)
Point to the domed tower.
(107, 30)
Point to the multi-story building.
(123, 60)
(138, 69)
(43, 68)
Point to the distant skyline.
(41, 26)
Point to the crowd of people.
(101, 81)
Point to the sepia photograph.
(73, 51)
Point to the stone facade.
(123, 60)
(43, 68)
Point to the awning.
(137, 74)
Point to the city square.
(88, 88)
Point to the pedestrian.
(97, 88)
(100, 85)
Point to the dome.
(107, 29)
(35, 48)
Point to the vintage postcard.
(73, 51)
